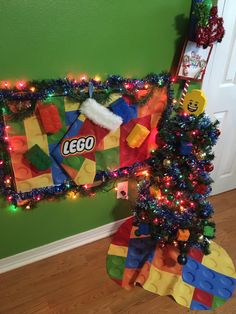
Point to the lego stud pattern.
(132, 260)
(208, 280)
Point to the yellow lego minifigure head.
(194, 102)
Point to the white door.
(220, 88)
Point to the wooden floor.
(76, 282)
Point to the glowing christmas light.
(20, 85)
(5, 84)
(97, 78)
(83, 77)
(174, 101)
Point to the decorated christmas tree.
(172, 204)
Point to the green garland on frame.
(26, 94)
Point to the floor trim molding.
(66, 244)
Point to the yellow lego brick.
(219, 261)
(118, 250)
(165, 283)
(81, 117)
(35, 183)
(86, 173)
(70, 105)
(112, 139)
(34, 134)
(137, 136)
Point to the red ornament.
(208, 167)
(201, 188)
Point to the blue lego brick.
(198, 306)
(58, 175)
(122, 109)
(134, 109)
(143, 229)
(206, 279)
(71, 116)
(74, 129)
(140, 250)
(55, 152)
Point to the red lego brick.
(49, 117)
(122, 235)
(203, 297)
(196, 254)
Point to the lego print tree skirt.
(204, 283)
(72, 147)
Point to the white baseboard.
(44, 251)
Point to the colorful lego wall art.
(58, 142)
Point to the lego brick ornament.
(194, 102)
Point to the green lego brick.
(74, 162)
(109, 158)
(38, 158)
(217, 301)
(209, 231)
(115, 266)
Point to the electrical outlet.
(122, 190)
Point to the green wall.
(50, 38)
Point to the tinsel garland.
(26, 94)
